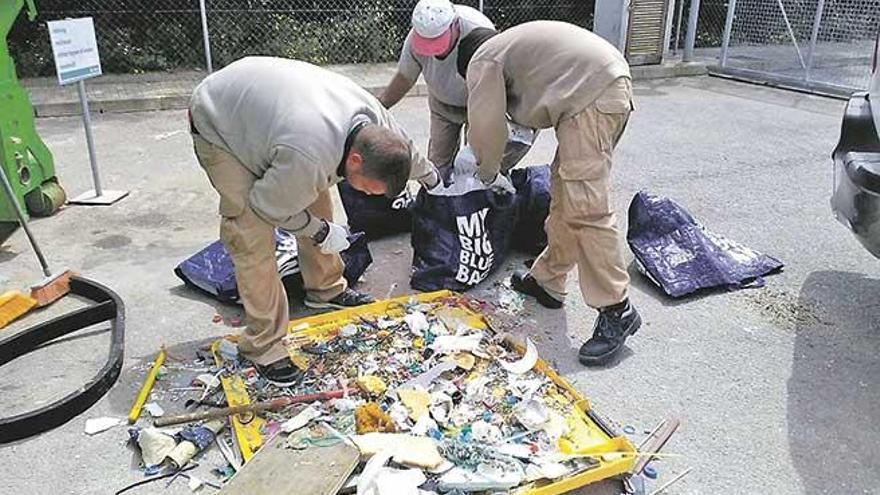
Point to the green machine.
(24, 158)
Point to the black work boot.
(613, 325)
(348, 299)
(281, 373)
(523, 282)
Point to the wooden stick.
(271, 405)
(650, 435)
(670, 482)
(656, 443)
(144, 393)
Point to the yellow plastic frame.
(616, 455)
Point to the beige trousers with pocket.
(250, 241)
(581, 226)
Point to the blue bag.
(460, 235)
(533, 197)
(376, 216)
(682, 257)
(211, 269)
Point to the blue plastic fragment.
(200, 436)
(650, 472)
(629, 430)
(152, 470)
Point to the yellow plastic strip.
(142, 396)
(247, 435)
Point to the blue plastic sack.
(681, 256)
(376, 216)
(211, 269)
(533, 198)
(460, 236)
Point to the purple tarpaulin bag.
(211, 268)
(681, 256)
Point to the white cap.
(432, 18)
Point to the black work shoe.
(281, 373)
(522, 282)
(613, 326)
(348, 299)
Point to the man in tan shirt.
(274, 136)
(552, 74)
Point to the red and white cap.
(432, 22)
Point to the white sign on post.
(75, 49)
(76, 59)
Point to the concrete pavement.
(777, 387)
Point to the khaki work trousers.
(445, 133)
(250, 241)
(581, 227)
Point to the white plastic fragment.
(154, 409)
(300, 420)
(386, 323)
(367, 482)
(98, 425)
(344, 405)
(400, 414)
(423, 425)
(532, 414)
(526, 363)
(348, 331)
(518, 450)
(399, 481)
(540, 469)
(195, 484)
(425, 379)
(441, 406)
(484, 479)
(208, 380)
(446, 344)
(417, 322)
(484, 432)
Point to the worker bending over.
(552, 74)
(274, 136)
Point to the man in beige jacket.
(274, 136)
(552, 74)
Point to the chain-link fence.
(815, 44)
(710, 24)
(166, 35)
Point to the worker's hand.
(433, 181)
(502, 185)
(465, 162)
(335, 238)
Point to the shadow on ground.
(834, 389)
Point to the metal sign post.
(76, 59)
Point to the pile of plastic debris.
(432, 403)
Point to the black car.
(856, 198)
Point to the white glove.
(336, 239)
(465, 162)
(502, 185)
